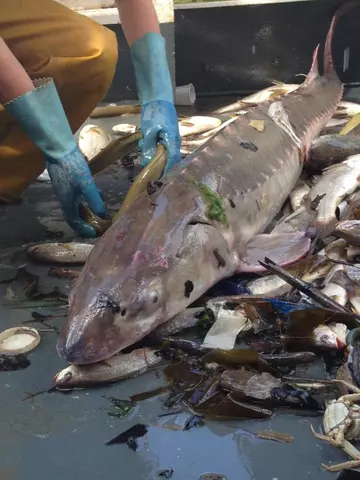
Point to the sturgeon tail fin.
(328, 59)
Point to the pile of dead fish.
(250, 344)
(245, 348)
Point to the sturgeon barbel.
(203, 223)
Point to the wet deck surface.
(58, 436)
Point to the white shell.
(335, 416)
(92, 139)
(124, 128)
(44, 177)
(19, 340)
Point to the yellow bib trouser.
(50, 40)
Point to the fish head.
(66, 379)
(112, 310)
(326, 338)
(116, 319)
(113, 318)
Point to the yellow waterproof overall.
(50, 40)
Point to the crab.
(341, 424)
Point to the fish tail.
(328, 59)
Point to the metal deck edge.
(110, 16)
(232, 3)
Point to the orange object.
(50, 40)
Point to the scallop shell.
(124, 128)
(93, 139)
(19, 340)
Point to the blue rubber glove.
(41, 115)
(73, 184)
(159, 122)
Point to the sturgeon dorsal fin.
(314, 70)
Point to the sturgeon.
(203, 223)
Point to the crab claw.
(341, 466)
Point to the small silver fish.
(352, 209)
(118, 367)
(353, 291)
(193, 142)
(298, 194)
(334, 126)
(337, 182)
(273, 285)
(336, 292)
(338, 285)
(352, 253)
(318, 268)
(349, 230)
(342, 278)
(354, 301)
(353, 272)
(346, 109)
(60, 253)
(332, 273)
(259, 97)
(335, 250)
(336, 122)
(328, 150)
(269, 285)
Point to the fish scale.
(203, 224)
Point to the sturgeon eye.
(154, 297)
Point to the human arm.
(14, 81)
(38, 109)
(159, 119)
(136, 24)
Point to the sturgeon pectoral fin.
(284, 249)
